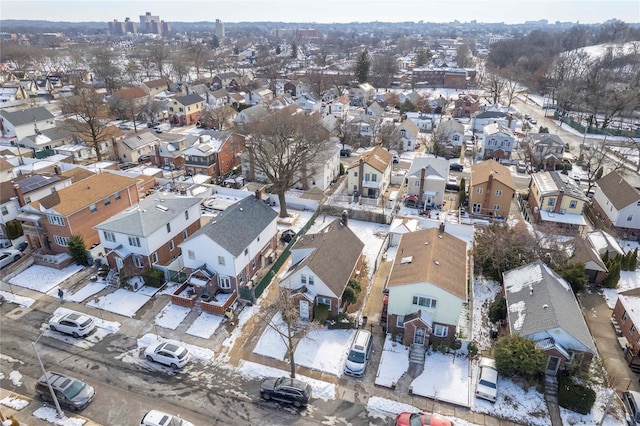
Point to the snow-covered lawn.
(42, 278)
(15, 403)
(445, 378)
(323, 349)
(484, 293)
(87, 291)
(171, 316)
(319, 389)
(628, 280)
(50, 415)
(205, 325)
(122, 302)
(136, 355)
(394, 362)
(17, 299)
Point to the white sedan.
(159, 418)
(168, 354)
(7, 257)
(74, 323)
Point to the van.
(359, 354)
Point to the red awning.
(411, 198)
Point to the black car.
(456, 167)
(144, 158)
(284, 389)
(345, 153)
(152, 124)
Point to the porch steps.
(551, 388)
(416, 354)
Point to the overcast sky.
(327, 11)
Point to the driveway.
(598, 317)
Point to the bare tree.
(179, 65)
(159, 54)
(90, 118)
(198, 53)
(596, 161)
(292, 330)
(383, 68)
(495, 86)
(285, 147)
(104, 66)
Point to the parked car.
(159, 418)
(533, 121)
(419, 419)
(631, 401)
(152, 124)
(22, 246)
(345, 153)
(74, 323)
(71, 393)
(8, 256)
(285, 389)
(168, 354)
(457, 167)
(396, 159)
(487, 386)
(144, 158)
(452, 184)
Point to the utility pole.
(46, 377)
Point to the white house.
(427, 178)
(618, 204)
(19, 124)
(498, 142)
(370, 174)
(405, 135)
(308, 103)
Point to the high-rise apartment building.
(219, 31)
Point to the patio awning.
(121, 251)
(30, 217)
(198, 282)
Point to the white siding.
(447, 309)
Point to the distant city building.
(149, 24)
(219, 32)
(123, 28)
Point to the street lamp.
(46, 378)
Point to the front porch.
(190, 296)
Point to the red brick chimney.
(19, 194)
(360, 175)
(423, 172)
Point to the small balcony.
(33, 230)
(371, 184)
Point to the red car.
(420, 419)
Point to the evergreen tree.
(462, 193)
(422, 57)
(78, 251)
(215, 43)
(278, 50)
(518, 356)
(294, 49)
(613, 276)
(633, 264)
(362, 67)
(575, 275)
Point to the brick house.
(215, 154)
(185, 110)
(491, 189)
(427, 287)
(626, 321)
(617, 203)
(321, 266)
(149, 233)
(50, 222)
(541, 306)
(466, 105)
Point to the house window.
(186, 215)
(61, 241)
(478, 190)
(400, 321)
(630, 217)
(171, 245)
(55, 220)
(366, 177)
(168, 227)
(427, 302)
(303, 279)
(253, 263)
(496, 207)
(624, 316)
(323, 301)
(185, 234)
(311, 279)
(117, 196)
(93, 208)
(109, 236)
(154, 257)
(138, 261)
(224, 282)
(191, 254)
(220, 260)
(107, 201)
(416, 183)
(246, 252)
(573, 204)
(355, 174)
(134, 241)
(498, 192)
(374, 177)
(551, 202)
(4, 210)
(632, 329)
(441, 330)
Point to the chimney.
(56, 170)
(423, 172)
(344, 218)
(557, 207)
(509, 119)
(19, 194)
(441, 228)
(201, 139)
(360, 175)
(258, 194)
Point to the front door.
(418, 336)
(119, 263)
(304, 309)
(552, 365)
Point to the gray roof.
(539, 300)
(140, 140)
(490, 114)
(237, 226)
(18, 118)
(149, 215)
(189, 99)
(57, 133)
(438, 166)
(33, 182)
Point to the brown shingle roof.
(378, 158)
(618, 191)
(84, 193)
(480, 173)
(78, 173)
(131, 93)
(435, 257)
(335, 255)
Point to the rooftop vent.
(161, 207)
(437, 263)
(407, 259)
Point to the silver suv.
(71, 393)
(631, 400)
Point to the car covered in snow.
(160, 418)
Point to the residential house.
(401, 225)
(591, 251)
(12, 94)
(50, 222)
(149, 233)
(492, 116)
(48, 139)
(259, 96)
(218, 98)
(171, 154)
(156, 87)
(491, 189)
(405, 136)
(544, 150)
(6, 170)
(251, 115)
(541, 306)
(498, 142)
(16, 125)
(203, 91)
(450, 135)
(322, 264)
(322, 170)
(230, 81)
(363, 94)
(131, 148)
(626, 321)
(373, 111)
(281, 101)
(466, 105)
(308, 103)
(617, 203)
(186, 110)
(370, 174)
(216, 153)
(426, 180)
(427, 287)
(296, 88)
(219, 258)
(338, 107)
(556, 199)
(134, 98)
(422, 120)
